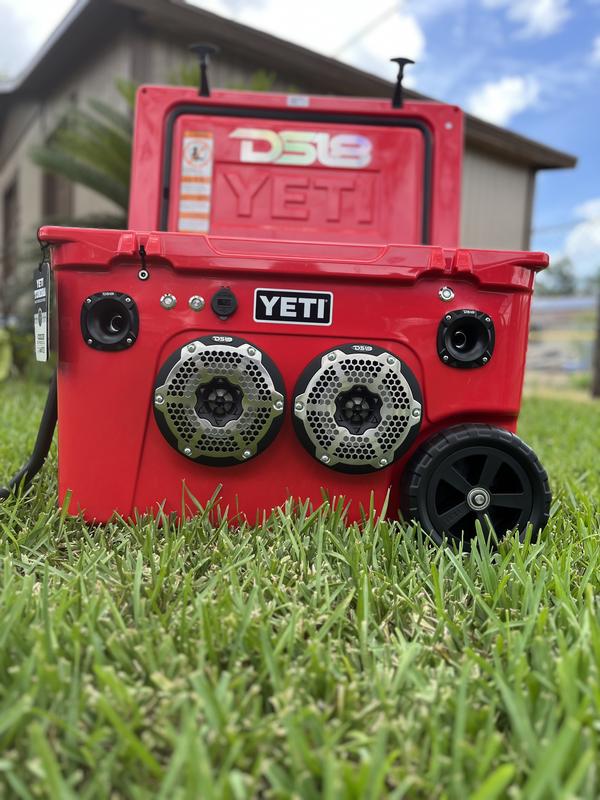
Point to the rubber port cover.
(224, 303)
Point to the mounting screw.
(159, 400)
(143, 274)
(485, 359)
(89, 300)
(487, 319)
(416, 412)
(129, 340)
(383, 462)
(247, 453)
(251, 351)
(448, 317)
(299, 406)
(168, 301)
(331, 357)
(90, 341)
(325, 458)
(278, 405)
(128, 299)
(191, 348)
(196, 303)
(446, 358)
(391, 360)
(446, 294)
(187, 451)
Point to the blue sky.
(532, 65)
(539, 75)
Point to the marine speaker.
(219, 400)
(466, 339)
(357, 408)
(109, 321)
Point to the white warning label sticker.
(196, 182)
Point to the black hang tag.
(41, 310)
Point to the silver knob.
(168, 301)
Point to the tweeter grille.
(219, 402)
(357, 408)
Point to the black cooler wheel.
(475, 472)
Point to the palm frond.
(95, 143)
(119, 120)
(56, 160)
(92, 148)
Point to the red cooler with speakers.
(194, 366)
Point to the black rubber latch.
(203, 51)
(224, 303)
(398, 98)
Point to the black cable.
(42, 445)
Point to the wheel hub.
(478, 498)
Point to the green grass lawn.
(305, 658)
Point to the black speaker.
(109, 321)
(466, 339)
(219, 400)
(357, 408)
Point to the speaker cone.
(219, 403)
(357, 408)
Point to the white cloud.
(596, 51)
(366, 36)
(582, 244)
(401, 35)
(499, 101)
(534, 17)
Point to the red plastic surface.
(334, 169)
(112, 457)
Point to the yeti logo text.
(262, 146)
(293, 307)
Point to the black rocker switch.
(224, 303)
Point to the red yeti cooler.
(281, 369)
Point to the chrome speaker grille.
(219, 402)
(356, 408)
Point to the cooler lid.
(280, 174)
